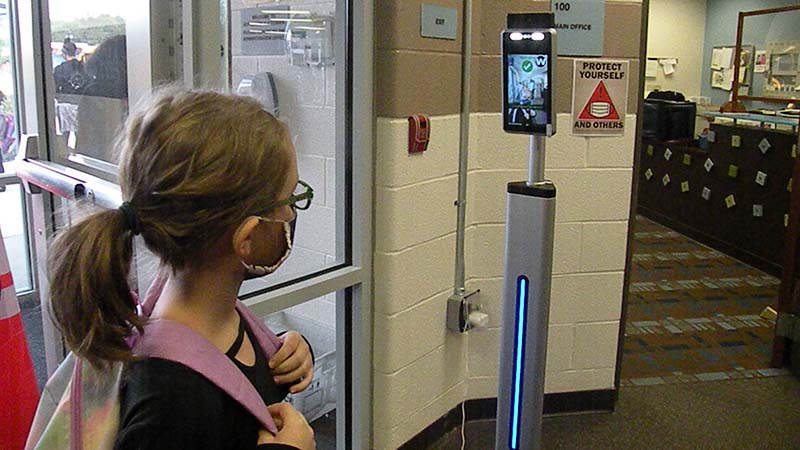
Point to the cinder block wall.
(421, 370)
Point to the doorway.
(706, 241)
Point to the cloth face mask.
(255, 271)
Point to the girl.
(209, 182)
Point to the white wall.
(676, 29)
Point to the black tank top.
(259, 373)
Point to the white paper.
(668, 65)
(722, 79)
(722, 58)
(744, 89)
(651, 68)
(716, 58)
(762, 61)
(728, 77)
(726, 58)
(717, 79)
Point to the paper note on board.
(727, 79)
(716, 58)
(726, 58)
(668, 65)
(761, 61)
(651, 68)
(722, 58)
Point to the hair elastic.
(131, 219)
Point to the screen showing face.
(527, 90)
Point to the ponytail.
(90, 298)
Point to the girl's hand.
(293, 430)
(292, 363)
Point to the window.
(88, 53)
(285, 55)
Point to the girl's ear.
(243, 238)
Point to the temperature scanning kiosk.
(528, 65)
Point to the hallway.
(756, 414)
(693, 312)
(695, 367)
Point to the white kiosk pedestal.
(530, 220)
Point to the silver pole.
(463, 151)
(536, 149)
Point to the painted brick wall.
(421, 370)
(593, 178)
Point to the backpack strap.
(76, 407)
(265, 338)
(147, 303)
(173, 341)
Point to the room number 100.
(562, 6)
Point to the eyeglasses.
(300, 198)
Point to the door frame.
(634, 193)
(785, 343)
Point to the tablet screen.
(527, 90)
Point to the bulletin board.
(723, 67)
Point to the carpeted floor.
(756, 414)
(693, 312)
(693, 316)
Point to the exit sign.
(438, 22)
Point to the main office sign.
(580, 25)
(600, 97)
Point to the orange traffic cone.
(19, 393)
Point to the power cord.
(465, 355)
(463, 424)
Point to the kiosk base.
(526, 306)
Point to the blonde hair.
(193, 164)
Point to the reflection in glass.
(777, 38)
(286, 56)
(90, 78)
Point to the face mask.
(254, 271)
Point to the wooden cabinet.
(727, 220)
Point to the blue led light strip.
(519, 358)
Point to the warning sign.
(599, 106)
(599, 97)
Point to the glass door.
(89, 61)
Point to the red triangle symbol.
(599, 106)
